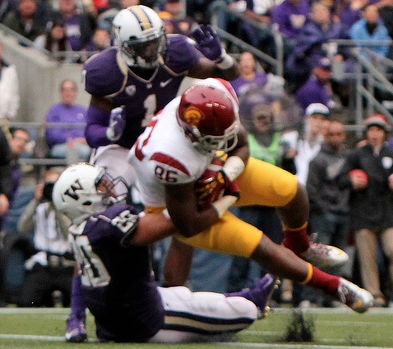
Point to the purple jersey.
(107, 75)
(117, 280)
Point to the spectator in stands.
(52, 267)
(9, 89)
(100, 41)
(175, 19)
(317, 88)
(385, 9)
(370, 28)
(350, 11)
(290, 16)
(329, 203)
(255, 10)
(307, 142)
(312, 42)
(17, 140)
(250, 77)
(55, 41)
(368, 171)
(79, 30)
(61, 139)
(25, 20)
(253, 76)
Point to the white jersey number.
(94, 273)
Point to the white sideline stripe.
(237, 344)
(34, 310)
(26, 336)
(291, 346)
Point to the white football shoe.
(358, 299)
(324, 255)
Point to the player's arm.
(205, 68)
(216, 62)
(182, 205)
(97, 121)
(152, 227)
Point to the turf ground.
(334, 328)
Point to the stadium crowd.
(295, 122)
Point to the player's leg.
(282, 262)
(76, 322)
(201, 316)
(265, 184)
(233, 236)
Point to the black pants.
(41, 281)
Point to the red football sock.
(296, 239)
(321, 280)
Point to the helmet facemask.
(145, 53)
(209, 144)
(215, 144)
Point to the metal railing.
(369, 73)
(220, 8)
(73, 56)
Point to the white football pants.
(202, 316)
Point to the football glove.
(208, 42)
(117, 123)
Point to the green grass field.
(335, 328)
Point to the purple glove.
(117, 123)
(208, 42)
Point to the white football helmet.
(140, 35)
(85, 189)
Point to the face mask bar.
(145, 53)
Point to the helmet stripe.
(141, 16)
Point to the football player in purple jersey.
(110, 242)
(129, 83)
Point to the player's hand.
(210, 188)
(208, 42)
(117, 124)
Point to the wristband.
(233, 167)
(221, 205)
(225, 61)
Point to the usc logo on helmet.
(193, 116)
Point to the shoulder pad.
(105, 73)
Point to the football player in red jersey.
(174, 152)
